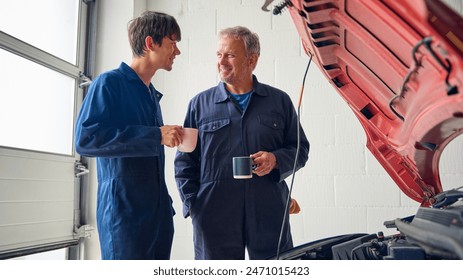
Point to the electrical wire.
(295, 158)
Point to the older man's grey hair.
(250, 39)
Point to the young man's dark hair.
(154, 24)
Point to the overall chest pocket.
(271, 121)
(271, 131)
(215, 137)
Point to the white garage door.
(41, 52)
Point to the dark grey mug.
(242, 167)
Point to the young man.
(239, 117)
(120, 123)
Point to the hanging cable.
(295, 158)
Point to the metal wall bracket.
(80, 169)
(84, 231)
(84, 81)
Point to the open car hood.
(398, 65)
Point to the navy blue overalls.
(119, 124)
(230, 215)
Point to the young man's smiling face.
(168, 51)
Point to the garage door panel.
(23, 236)
(34, 212)
(18, 167)
(35, 190)
(38, 200)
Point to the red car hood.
(398, 64)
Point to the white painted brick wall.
(342, 189)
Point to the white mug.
(189, 140)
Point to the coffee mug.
(189, 140)
(242, 167)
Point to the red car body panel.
(398, 65)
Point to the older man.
(240, 116)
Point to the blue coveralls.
(228, 214)
(119, 123)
